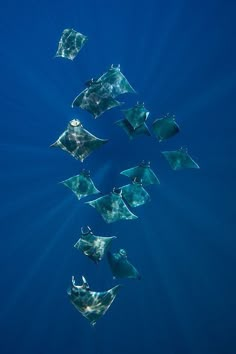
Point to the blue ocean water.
(180, 57)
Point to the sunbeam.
(22, 288)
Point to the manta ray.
(77, 141)
(99, 95)
(91, 304)
(70, 44)
(93, 246)
(142, 172)
(133, 132)
(112, 207)
(166, 127)
(134, 194)
(136, 115)
(81, 185)
(120, 266)
(180, 159)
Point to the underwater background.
(180, 58)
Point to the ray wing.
(130, 131)
(94, 246)
(143, 173)
(95, 100)
(136, 115)
(135, 195)
(115, 82)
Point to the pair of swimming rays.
(100, 94)
(98, 97)
(93, 304)
(95, 248)
(134, 123)
(112, 207)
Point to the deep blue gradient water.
(180, 57)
